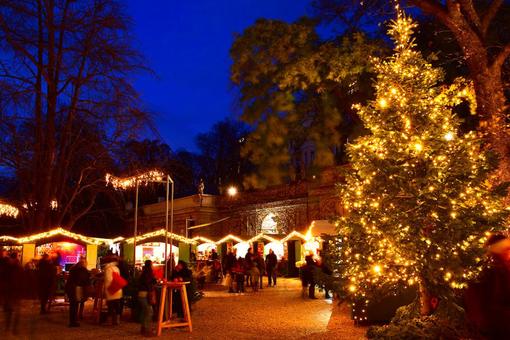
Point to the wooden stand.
(167, 290)
(98, 301)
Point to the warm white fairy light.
(129, 182)
(229, 237)
(8, 210)
(63, 232)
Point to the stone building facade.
(277, 210)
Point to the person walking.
(113, 284)
(78, 281)
(181, 273)
(228, 263)
(147, 298)
(308, 276)
(13, 280)
(261, 266)
(271, 266)
(46, 280)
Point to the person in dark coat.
(261, 266)
(46, 280)
(308, 276)
(488, 301)
(79, 279)
(271, 263)
(228, 264)
(146, 298)
(238, 270)
(13, 280)
(181, 273)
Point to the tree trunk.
(425, 298)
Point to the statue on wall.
(200, 189)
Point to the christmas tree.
(418, 197)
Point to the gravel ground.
(275, 312)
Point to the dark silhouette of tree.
(219, 160)
(65, 102)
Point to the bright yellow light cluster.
(129, 182)
(8, 210)
(418, 195)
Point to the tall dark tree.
(136, 156)
(65, 102)
(219, 160)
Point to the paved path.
(273, 313)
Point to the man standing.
(47, 276)
(271, 263)
(79, 279)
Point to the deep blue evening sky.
(187, 44)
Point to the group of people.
(37, 279)
(249, 270)
(41, 276)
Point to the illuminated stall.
(204, 247)
(227, 244)
(293, 250)
(62, 244)
(258, 243)
(151, 246)
(11, 244)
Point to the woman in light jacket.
(112, 298)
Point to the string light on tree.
(417, 197)
(130, 182)
(8, 210)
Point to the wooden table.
(166, 289)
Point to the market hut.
(10, 244)
(259, 241)
(70, 246)
(151, 246)
(227, 244)
(203, 247)
(294, 250)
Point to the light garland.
(6, 238)
(262, 235)
(197, 239)
(229, 237)
(160, 232)
(63, 232)
(129, 182)
(8, 210)
(294, 233)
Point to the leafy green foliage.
(296, 89)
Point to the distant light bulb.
(383, 103)
(449, 136)
(232, 191)
(418, 147)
